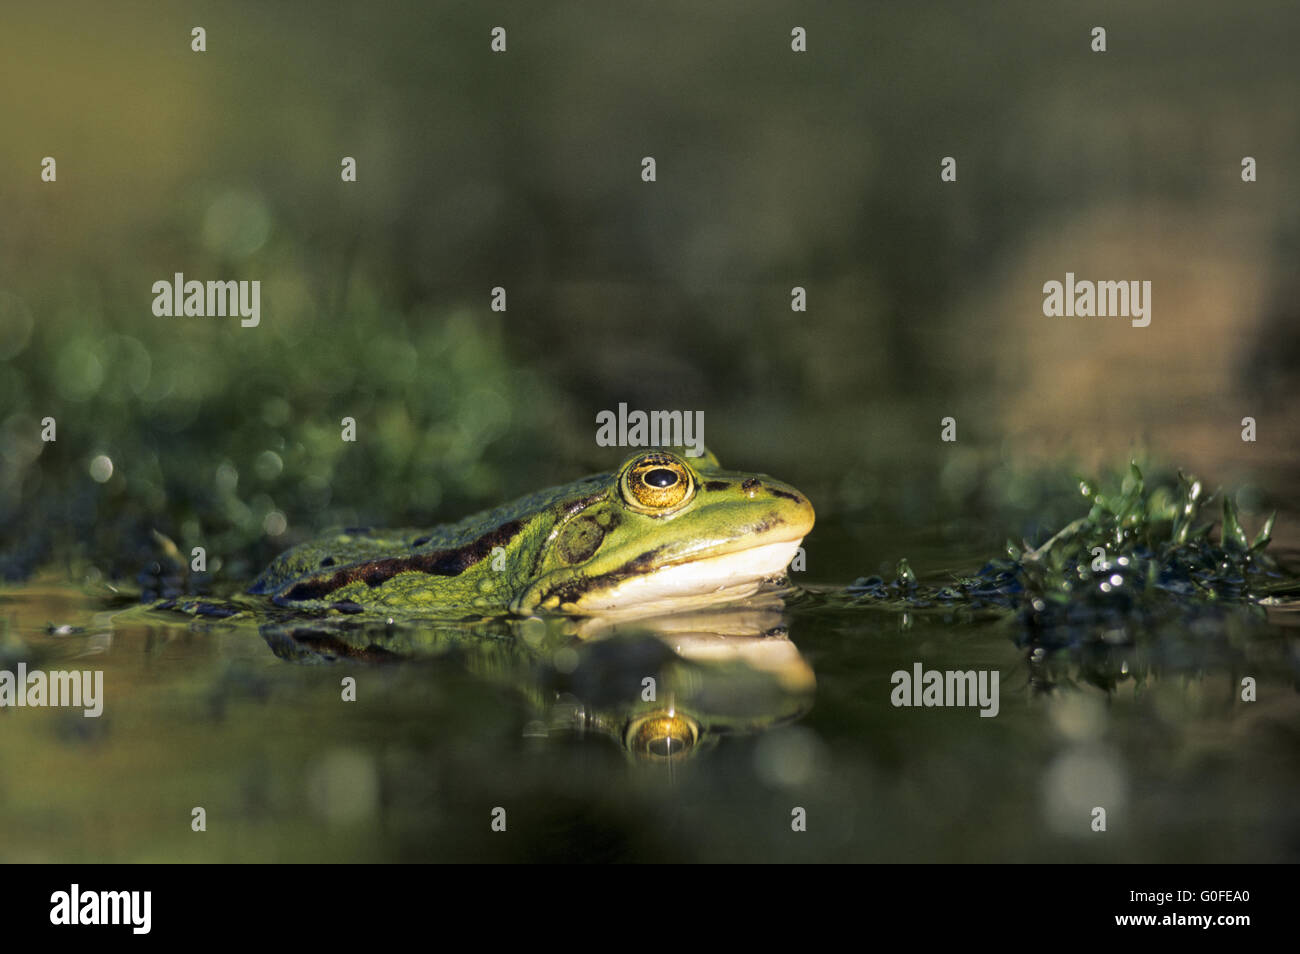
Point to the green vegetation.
(1139, 555)
(219, 438)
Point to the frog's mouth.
(697, 580)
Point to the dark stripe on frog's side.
(570, 591)
(451, 562)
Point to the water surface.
(777, 710)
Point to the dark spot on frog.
(348, 606)
(785, 495)
(419, 541)
(451, 562)
(766, 524)
(715, 485)
(328, 561)
(580, 539)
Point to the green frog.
(663, 533)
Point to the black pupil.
(660, 477)
(663, 747)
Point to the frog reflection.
(663, 688)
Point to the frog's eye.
(662, 735)
(657, 482)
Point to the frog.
(662, 533)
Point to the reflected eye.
(657, 482)
(664, 735)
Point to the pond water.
(766, 718)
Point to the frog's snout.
(797, 509)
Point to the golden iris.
(657, 482)
(662, 735)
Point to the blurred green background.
(523, 170)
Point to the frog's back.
(313, 569)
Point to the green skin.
(572, 549)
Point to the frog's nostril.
(751, 484)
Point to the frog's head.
(668, 532)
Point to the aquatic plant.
(1139, 555)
